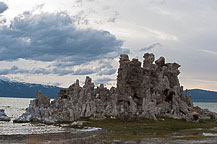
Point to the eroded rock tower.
(148, 91)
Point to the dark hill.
(199, 95)
(26, 90)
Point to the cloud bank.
(102, 68)
(54, 37)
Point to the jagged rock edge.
(148, 92)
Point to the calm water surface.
(209, 105)
(14, 107)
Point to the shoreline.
(118, 131)
(96, 137)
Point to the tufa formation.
(148, 91)
(3, 116)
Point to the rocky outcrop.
(38, 109)
(72, 104)
(149, 91)
(3, 116)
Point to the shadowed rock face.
(149, 91)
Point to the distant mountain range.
(199, 95)
(26, 90)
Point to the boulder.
(3, 116)
(192, 117)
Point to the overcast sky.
(56, 42)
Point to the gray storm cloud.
(154, 45)
(54, 37)
(3, 7)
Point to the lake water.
(209, 105)
(14, 107)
